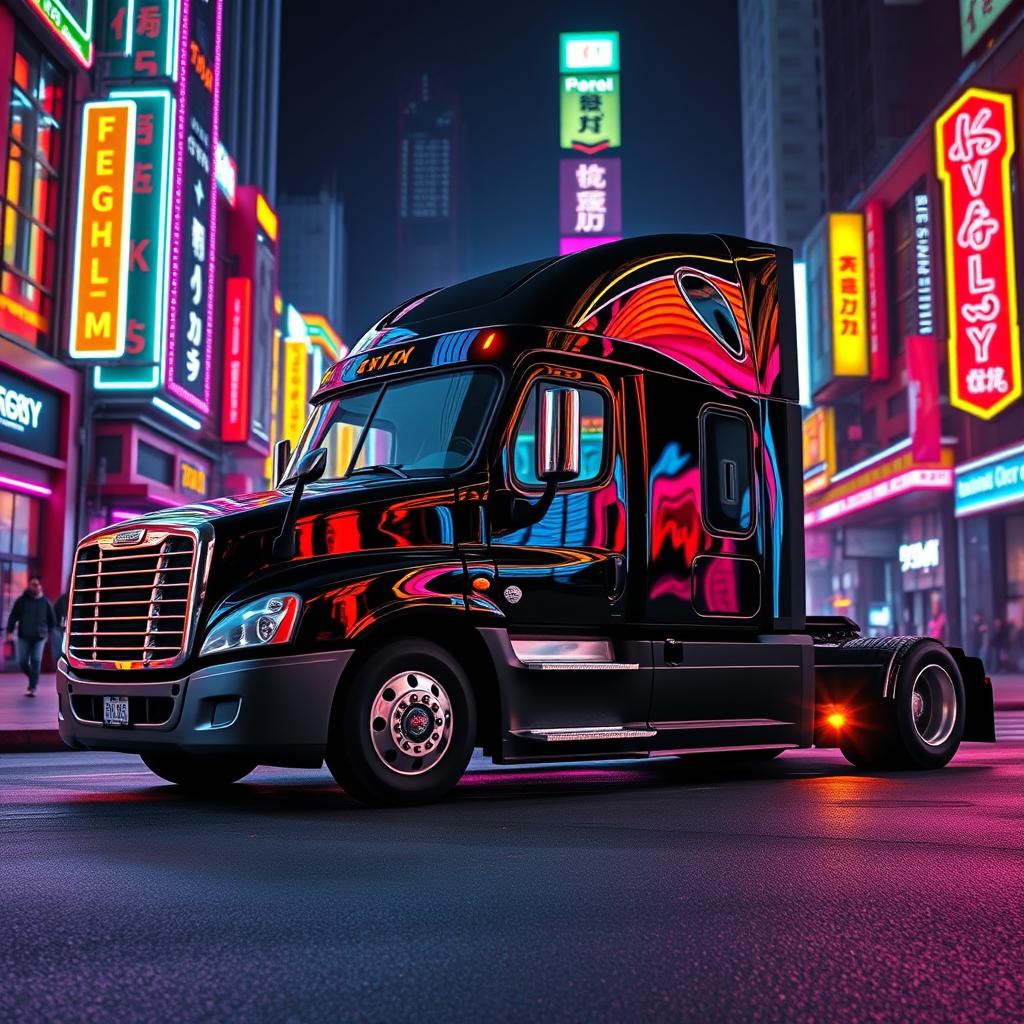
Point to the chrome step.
(583, 666)
(585, 734)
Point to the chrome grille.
(132, 604)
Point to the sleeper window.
(726, 472)
(593, 437)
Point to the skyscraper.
(783, 145)
(249, 99)
(428, 179)
(312, 267)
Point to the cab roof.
(718, 305)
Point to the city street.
(795, 890)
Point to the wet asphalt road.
(798, 890)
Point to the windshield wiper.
(390, 467)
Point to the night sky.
(341, 66)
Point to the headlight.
(270, 620)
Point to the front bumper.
(274, 710)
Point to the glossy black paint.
(713, 618)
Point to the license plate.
(115, 710)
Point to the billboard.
(588, 51)
(819, 448)
(72, 21)
(923, 398)
(590, 196)
(140, 36)
(974, 144)
(98, 302)
(237, 359)
(188, 356)
(296, 388)
(589, 113)
(849, 294)
(976, 18)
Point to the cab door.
(568, 570)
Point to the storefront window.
(19, 550)
(28, 208)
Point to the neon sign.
(98, 304)
(237, 358)
(72, 22)
(878, 300)
(849, 294)
(974, 146)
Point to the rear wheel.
(198, 771)
(403, 726)
(921, 725)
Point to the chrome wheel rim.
(411, 723)
(933, 705)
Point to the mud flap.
(980, 726)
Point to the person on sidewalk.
(33, 615)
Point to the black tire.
(353, 757)
(198, 772)
(887, 734)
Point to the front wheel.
(403, 727)
(198, 772)
(921, 725)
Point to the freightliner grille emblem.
(129, 536)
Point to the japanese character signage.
(101, 240)
(589, 118)
(237, 359)
(974, 146)
(590, 183)
(849, 295)
(72, 21)
(141, 36)
(590, 196)
(976, 18)
(139, 365)
(194, 225)
(296, 388)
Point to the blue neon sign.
(990, 483)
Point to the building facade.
(313, 255)
(915, 521)
(780, 95)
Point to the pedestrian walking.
(977, 635)
(33, 615)
(937, 621)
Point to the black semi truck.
(555, 512)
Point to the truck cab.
(554, 512)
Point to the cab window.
(594, 437)
(726, 473)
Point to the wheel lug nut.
(402, 706)
(428, 744)
(435, 737)
(405, 746)
(433, 707)
(415, 750)
(414, 697)
(439, 722)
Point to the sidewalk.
(28, 725)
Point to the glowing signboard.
(138, 368)
(849, 294)
(991, 482)
(588, 51)
(976, 18)
(589, 113)
(296, 388)
(98, 304)
(237, 358)
(145, 33)
(72, 21)
(194, 225)
(819, 445)
(590, 196)
(878, 299)
(974, 146)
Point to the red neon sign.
(974, 145)
(878, 299)
(237, 360)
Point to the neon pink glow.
(174, 289)
(577, 243)
(912, 479)
(118, 515)
(25, 487)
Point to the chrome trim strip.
(584, 734)
(584, 666)
(534, 649)
(721, 723)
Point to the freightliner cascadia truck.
(555, 512)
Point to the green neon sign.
(139, 368)
(151, 28)
(73, 28)
(589, 112)
(588, 51)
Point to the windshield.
(428, 423)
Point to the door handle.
(616, 569)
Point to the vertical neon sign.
(194, 227)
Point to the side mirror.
(309, 469)
(282, 456)
(558, 435)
